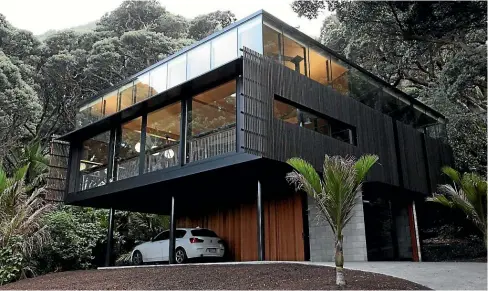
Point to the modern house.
(204, 134)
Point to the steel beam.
(172, 230)
(110, 237)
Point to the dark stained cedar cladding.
(272, 138)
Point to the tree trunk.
(339, 261)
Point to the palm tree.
(336, 193)
(468, 193)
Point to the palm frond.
(337, 192)
(304, 177)
(468, 194)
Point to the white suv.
(190, 243)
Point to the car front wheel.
(180, 256)
(137, 258)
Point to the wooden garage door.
(284, 229)
(237, 225)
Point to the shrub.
(74, 236)
(11, 261)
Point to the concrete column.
(322, 239)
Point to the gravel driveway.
(245, 276)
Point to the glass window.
(163, 137)
(322, 124)
(285, 112)
(158, 80)
(177, 71)
(141, 88)
(203, 232)
(315, 123)
(127, 149)
(272, 43)
(250, 35)
(126, 97)
(340, 77)
(90, 113)
(94, 161)
(111, 103)
(224, 48)
(162, 236)
(199, 60)
(319, 67)
(212, 121)
(294, 56)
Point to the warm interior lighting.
(169, 153)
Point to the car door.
(164, 246)
(157, 246)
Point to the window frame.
(330, 120)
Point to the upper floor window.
(304, 118)
(211, 122)
(94, 161)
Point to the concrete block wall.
(322, 242)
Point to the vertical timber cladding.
(439, 155)
(237, 226)
(263, 78)
(412, 158)
(58, 170)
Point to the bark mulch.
(258, 276)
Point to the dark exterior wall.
(266, 136)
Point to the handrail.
(213, 144)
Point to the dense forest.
(434, 51)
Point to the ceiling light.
(169, 154)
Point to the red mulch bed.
(245, 276)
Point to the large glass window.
(272, 43)
(250, 35)
(285, 112)
(90, 113)
(141, 88)
(319, 67)
(340, 77)
(177, 71)
(111, 103)
(163, 137)
(199, 60)
(224, 48)
(211, 122)
(294, 55)
(94, 161)
(127, 149)
(159, 80)
(126, 97)
(322, 124)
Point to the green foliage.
(75, 233)
(11, 262)
(336, 193)
(22, 209)
(204, 25)
(468, 194)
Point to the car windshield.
(203, 232)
